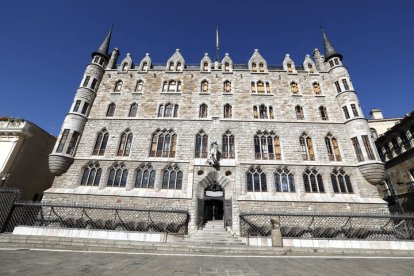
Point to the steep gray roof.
(103, 49)
(329, 49)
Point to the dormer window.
(179, 66)
(261, 67)
(310, 68)
(226, 67)
(145, 66)
(289, 68)
(125, 67)
(171, 67)
(254, 67)
(205, 66)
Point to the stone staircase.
(213, 232)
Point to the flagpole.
(217, 46)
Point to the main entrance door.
(213, 209)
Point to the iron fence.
(330, 225)
(7, 198)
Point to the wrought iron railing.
(97, 217)
(330, 225)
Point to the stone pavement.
(45, 262)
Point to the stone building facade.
(24, 150)
(396, 149)
(217, 138)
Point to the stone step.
(83, 244)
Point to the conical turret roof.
(329, 49)
(103, 49)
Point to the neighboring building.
(24, 150)
(396, 148)
(378, 124)
(217, 137)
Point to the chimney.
(376, 114)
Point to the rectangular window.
(86, 81)
(93, 85)
(338, 87)
(85, 108)
(63, 140)
(76, 107)
(336, 61)
(345, 83)
(72, 143)
(357, 149)
(345, 109)
(368, 147)
(354, 110)
(331, 63)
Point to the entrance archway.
(213, 202)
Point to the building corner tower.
(368, 161)
(64, 150)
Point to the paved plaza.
(45, 262)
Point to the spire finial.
(103, 49)
(217, 45)
(329, 49)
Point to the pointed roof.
(103, 49)
(329, 49)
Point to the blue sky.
(45, 45)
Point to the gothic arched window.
(169, 110)
(226, 67)
(118, 86)
(228, 148)
(310, 68)
(118, 175)
(228, 111)
(172, 86)
(133, 110)
(203, 111)
(284, 181)
(111, 110)
(101, 142)
(267, 146)
(341, 182)
(205, 66)
(125, 143)
(294, 88)
(254, 67)
(171, 67)
(139, 86)
(144, 66)
(299, 113)
(145, 177)
(289, 68)
(179, 66)
(204, 86)
(227, 86)
(316, 88)
(172, 178)
(333, 148)
(313, 181)
(261, 67)
(125, 66)
(163, 144)
(201, 145)
(256, 180)
(324, 113)
(260, 87)
(91, 175)
(306, 146)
